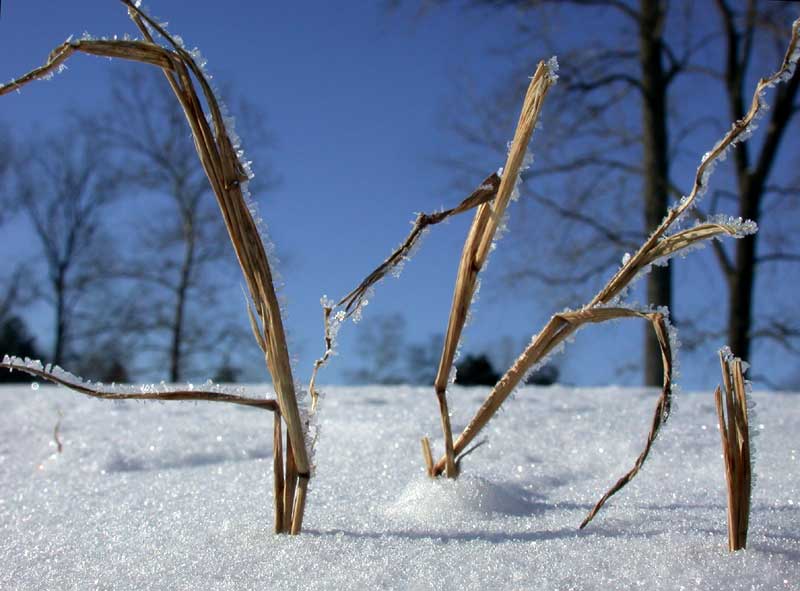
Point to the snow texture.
(179, 496)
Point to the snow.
(179, 496)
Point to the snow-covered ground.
(178, 496)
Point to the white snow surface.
(179, 495)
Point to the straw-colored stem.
(427, 456)
(639, 260)
(729, 476)
(477, 246)
(734, 431)
(242, 230)
(277, 470)
(744, 450)
(96, 391)
(225, 174)
(450, 469)
(299, 504)
(349, 304)
(555, 332)
(655, 247)
(504, 388)
(466, 282)
(290, 485)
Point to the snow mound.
(445, 502)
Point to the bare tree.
(627, 113)
(182, 261)
(753, 169)
(64, 189)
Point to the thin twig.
(57, 433)
(348, 305)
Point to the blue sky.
(356, 97)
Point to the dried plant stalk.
(559, 328)
(658, 246)
(347, 306)
(735, 435)
(97, 391)
(478, 244)
(299, 504)
(225, 173)
(427, 455)
(290, 485)
(277, 470)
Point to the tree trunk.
(752, 182)
(656, 164)
(61, 318)
(740, 296)
(176, 366)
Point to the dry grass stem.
(488, 219)
(277, 470)
(739, 132)
(98, 391)
(554, 333)
(299, 504)
(427, 455)
(347, 306)
(657, 246)
(290, 485)
(734, 428)
(226, 175)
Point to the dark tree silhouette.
(476, 370)
(16, 340)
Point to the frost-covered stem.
(299, 504)
(226, 174)
(290, 484)
(320, 363)
(734, 431)
(478, 244)
(739, 132)
(657, 246)
(427, 456)
(97, 391)
(224, 171)
(350, 304)
(450, 469)
(277, 470)
(543, 343)
(555, 332)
